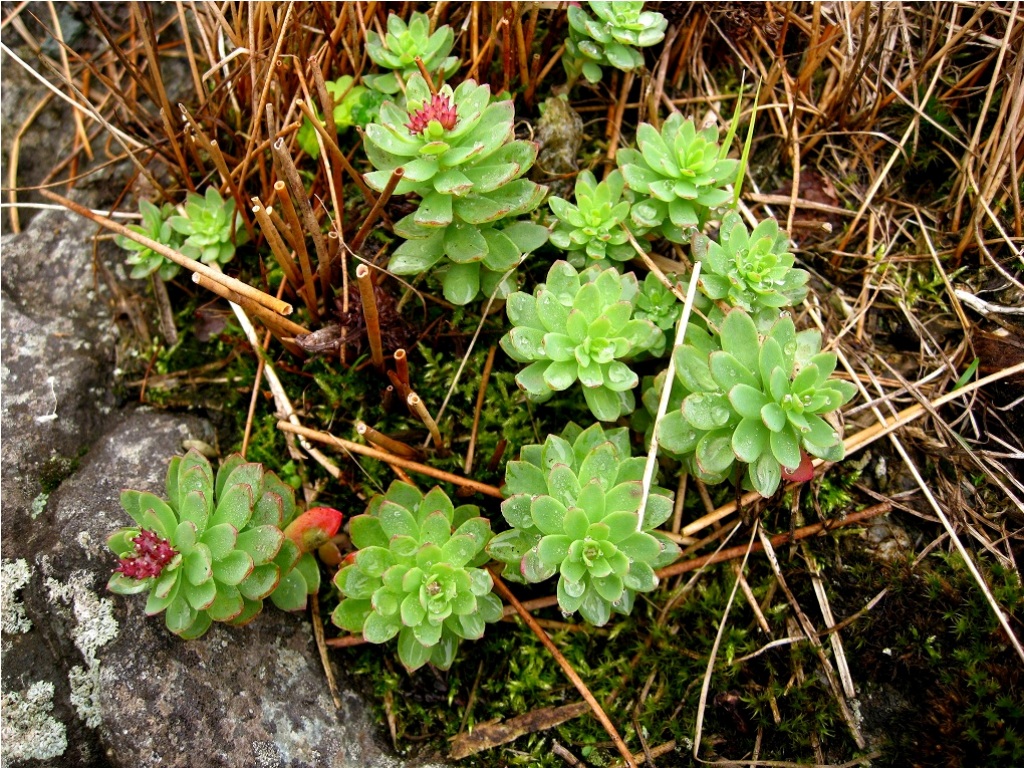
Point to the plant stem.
(377, 208)
(275, 305)
(420, 409)
(386, 443)
(369, 299)
(563, 662)
(414, 466)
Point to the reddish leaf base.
(314, 527)
(801, 474)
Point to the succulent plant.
(591, 230)
(472, 259)
(215, 550)
(400, 46)
(609, 39)
(681, 172)
(750, 269)
(759, 400)
(453, 143)
(458, 153)
(145, 261)
(416, 575)
(574, 507)
(211, 226)
(579, 327)
(353, 105)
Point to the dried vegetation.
(888, 141)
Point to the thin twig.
(571, 673)
(258, 296)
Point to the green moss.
(56, 470)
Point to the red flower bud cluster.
(151, 555)
(439, 108)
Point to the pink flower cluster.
(151, 555)
(439, 108)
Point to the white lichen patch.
(85, 693)
(14, 574)
(95, 626)
(28, 730)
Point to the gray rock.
(90, 681)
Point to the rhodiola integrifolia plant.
(752, 397)
(574, 508)
(610, 37)
(402, 44)
(417, 575)
(458, 153)
(217, 547)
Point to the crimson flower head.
(151, 555)
(440, 108)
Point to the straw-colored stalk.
(370, 315)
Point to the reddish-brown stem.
(402, 367)
(369, 299)
(563, 662)
(378, 207)
(414, 466)
(484, 378)
(275, 305)
(426, 75)
(386, 443)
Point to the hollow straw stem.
(369, 299)
(377, 208)
(283, 328)
(386, 443)
(418, 407)
(291, 216)
(277, 246)
(288, 327)
(275, 305)
(426, 75)
(299, 198)
(412, 466)
(402, 368)
(400, 386)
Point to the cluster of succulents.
(750, 269)
(416, 575)
(211, 226)
(592, 231)
(402, 44)
(679, 175)
(353, 105)
(143, 260)
(610, 37)
(457, 150)
(759, 399)
(574, 508)
(580, 327)
(217, 548)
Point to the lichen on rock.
(28, 730)
(15, 575)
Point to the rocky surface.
(89, 680)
